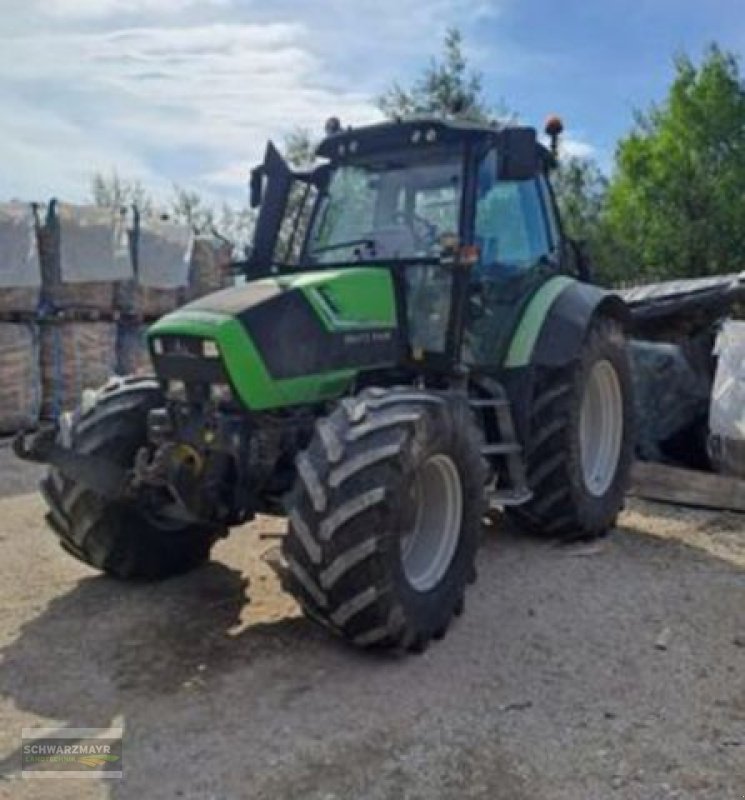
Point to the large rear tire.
(581, 440)
(385, 517)
(116, 537)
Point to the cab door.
(518, 239)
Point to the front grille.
(181, 358)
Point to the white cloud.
(97, 9)
(573, 144)
(174, 104)
(44, 156)
(577, 148)
(189, 92)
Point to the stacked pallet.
(132, 355)
(78, 288)
(727, 415)
(161, 252)
(20, 287)
(20, 387)
(75, 355)
(86, 259)
(209, 270)
(20, 270)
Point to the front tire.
(117, 537)
(385, 517)
(581, 440)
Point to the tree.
(676, 202)
(582, 194)
(300, 149)
(112, 191)
(234, 223)
(580, 189)
(188, 208)
(447, 88)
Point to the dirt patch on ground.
(609, 670)
(722, 535)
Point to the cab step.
(489, 402)
(508, 497)
(502, 449)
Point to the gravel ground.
(16, 476)
(580, 673)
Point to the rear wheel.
(581, 440)
(119, 538)
(385, 517)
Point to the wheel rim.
(601, 428)
(428, 549)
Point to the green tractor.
(416, 344)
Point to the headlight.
(210, 349)
(177, 390)
(221, 392)
(158, 347)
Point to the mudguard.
(550, 334)
(556, 320)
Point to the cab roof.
(412, 132)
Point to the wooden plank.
(687, 487)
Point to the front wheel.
(385, 517)
(120, 538)
(581, 440)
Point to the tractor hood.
(290, 339)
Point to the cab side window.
(511, 229)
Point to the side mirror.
(257, 186)
(517, 152)
(320, 177)
(582, 259)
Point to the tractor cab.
(461, 214)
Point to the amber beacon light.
(554, 128)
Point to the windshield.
(399, 207)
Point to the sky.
(188, 91)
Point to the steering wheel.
(422, 229)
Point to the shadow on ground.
(96, 652)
